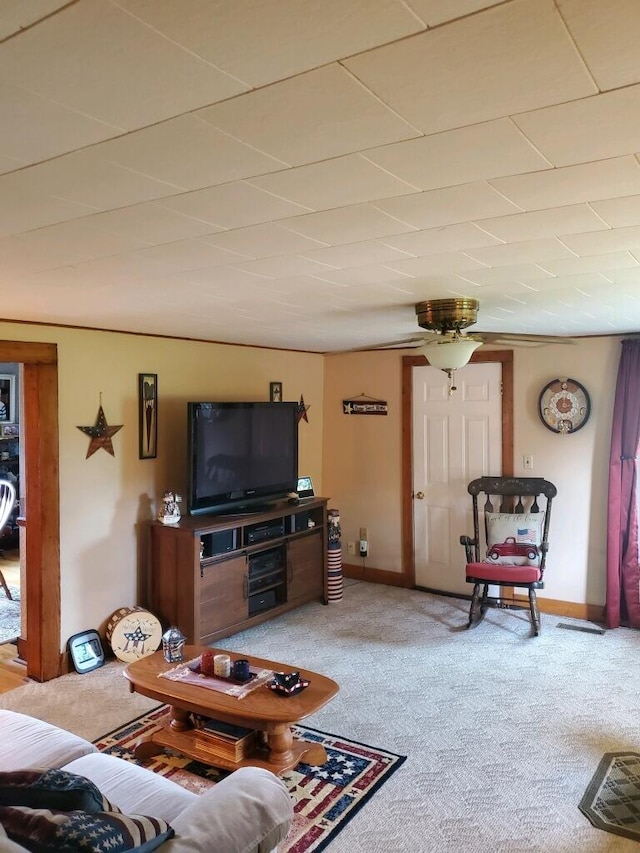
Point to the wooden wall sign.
(364, 405)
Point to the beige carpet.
(503, 732)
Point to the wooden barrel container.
(133, 633)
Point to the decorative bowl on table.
(287, 683)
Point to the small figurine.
(169, 512)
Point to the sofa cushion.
(133, 789)
(30, 743)
(52, 789)
(48, 831)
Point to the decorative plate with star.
(564, 405)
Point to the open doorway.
(38, 519)
(12, 599)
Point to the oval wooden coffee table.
(261, 709)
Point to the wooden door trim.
(39, 460)
(505, 357)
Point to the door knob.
(419, 496)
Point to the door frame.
(505, 357)
(39, 518)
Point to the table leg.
(279, 743)
(180, 720)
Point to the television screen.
(241, 455)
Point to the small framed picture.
(148, 415)
(9, 430)
(7, 398)
(275, 392)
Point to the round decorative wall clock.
(564, 405)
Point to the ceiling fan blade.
(402, 343)
(513, 338)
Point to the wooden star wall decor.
(100, 434)
(302, 410)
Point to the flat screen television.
(241, 455)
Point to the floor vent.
(583, 628)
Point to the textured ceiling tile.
(450, 238)
(233, 205)
(448, 206)
(607, 37)
(300, 120)
(529, 251)
(508, 275)
(572, 184)
(373, 274)
(346, 225)
(334, 183)
(284, 267)
(487, 150)
(96, 59)
(435, 12)
(450, 262)
(86, 178)
(610, 261)
(189, 255)
(264, 241)
(615, 240)
(187, 152)
(21, 13)
(67, 243)
(573, 219)
(356, 254)
(59, 128)
(153, 223)
(516, 57)
(260, 41)
(588, 129)
(619, 212)
(23, 210)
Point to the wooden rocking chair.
(509, 548)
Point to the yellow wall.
(354, 460)
(104, 500)
(362, 457)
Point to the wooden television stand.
(215, 575)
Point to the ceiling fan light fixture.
(449, 354)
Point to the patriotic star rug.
(325, 797)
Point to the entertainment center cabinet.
(213, 575)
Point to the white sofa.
(249, 811)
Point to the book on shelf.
(225, 740)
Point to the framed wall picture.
(275, 392)
(7, 398)
(148, 415)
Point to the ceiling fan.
(444, 343)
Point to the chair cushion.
(504, 575)
(513, 539)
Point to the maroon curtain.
(623, 563)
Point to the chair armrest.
(470, 545)
(249, 811)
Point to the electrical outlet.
(351, 548)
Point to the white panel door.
(456, 438)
